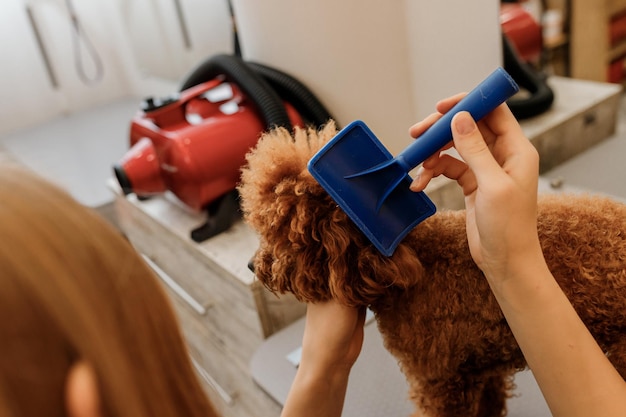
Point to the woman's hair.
(71, 288)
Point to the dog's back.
(448, 331)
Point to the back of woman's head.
(72, 288)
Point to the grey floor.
(78, 151)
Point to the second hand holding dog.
(332, 341)
(499, 178)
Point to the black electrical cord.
(182, 22)
(287, 87)
(236, 43)
(79, 34)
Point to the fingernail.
(464, 124)
(415, 184)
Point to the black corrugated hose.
(541, 95)
(267, 101)
(296, 93)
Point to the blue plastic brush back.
(353, 149)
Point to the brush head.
(385, 222)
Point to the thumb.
(472, 147)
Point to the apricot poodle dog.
(432, 304)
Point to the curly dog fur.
(434, 309)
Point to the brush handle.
(489, 94)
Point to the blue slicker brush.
(372, 186)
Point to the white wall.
(133, 38)
(385, 62)
(28, 97)
(157, 40)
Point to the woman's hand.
(332, 341)
(498, 174)
(333, 336)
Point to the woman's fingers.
(449, 167)
(497, 123)
(444, 106)
(472, 147)
(420, 127)
(469, 142)
(491, 141)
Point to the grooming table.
(376, 387)
(600, 170)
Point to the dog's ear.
(282, 202)
(308, 245)
(361, 275)
(317, 253)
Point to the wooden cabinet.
(224, 311)
(591, 50)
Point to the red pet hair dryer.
(194, 143)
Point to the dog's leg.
(471, 395)
(496, 391)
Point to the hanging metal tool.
(78, 35)
(42, 47)
(183, 24)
